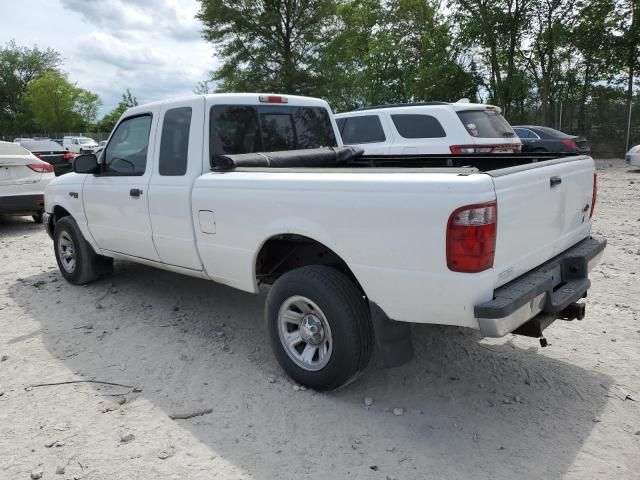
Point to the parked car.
(545, 139)
(633, 156)
(256, 190)
(428, 128)
(79, 144)
(23, 178)
(51, 152)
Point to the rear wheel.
(320, 327)
(77, 261)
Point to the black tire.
(87, 266)
(345, 311)
(37, 217)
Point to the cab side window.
(126, 153)
(174, 143)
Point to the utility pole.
(633, 41)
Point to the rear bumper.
(549, 289)
(16, 204)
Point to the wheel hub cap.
(311, 329)
(305, 333)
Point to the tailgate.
(543, 209)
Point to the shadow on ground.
(471, 409)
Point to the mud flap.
(393, 338)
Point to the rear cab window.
(237, 129)
(361, 129)
(485, 124)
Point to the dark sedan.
(545, 139)
(50, 152)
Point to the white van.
(428, 128)
(79, 144)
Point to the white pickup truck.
(351, 249)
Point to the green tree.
(267, 45)
(496, 27)
(591, 38)
(18, 67)
(390, 52)
(631, 43)
(58, 105)
(109, 121)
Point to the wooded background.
(568, 64)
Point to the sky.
(152, 47)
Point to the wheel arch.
(281, 253)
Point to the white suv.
(428, 128)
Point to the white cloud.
(152, 47)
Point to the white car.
(79, 144)
(253, 191)
(23, 178)
(429, 128)
(633, 156)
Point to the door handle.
(553, 181)
(135, 192)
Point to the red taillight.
(471, 238)
(41, 167)
(462, 149)
(570, 143)
(67, 156)
(467, 149)
(273, 99)
(594, 195)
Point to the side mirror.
(86, 164)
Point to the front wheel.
(77, 261)
(320, 327)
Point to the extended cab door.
(116, 200)
(179, 146)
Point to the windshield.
(486, 124)
(86, 141)
(42, 146)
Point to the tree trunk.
(582, 117)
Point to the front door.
(116, 200)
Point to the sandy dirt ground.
(471, 407)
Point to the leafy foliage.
(58, 105)
(267, 45)
(18, 67)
